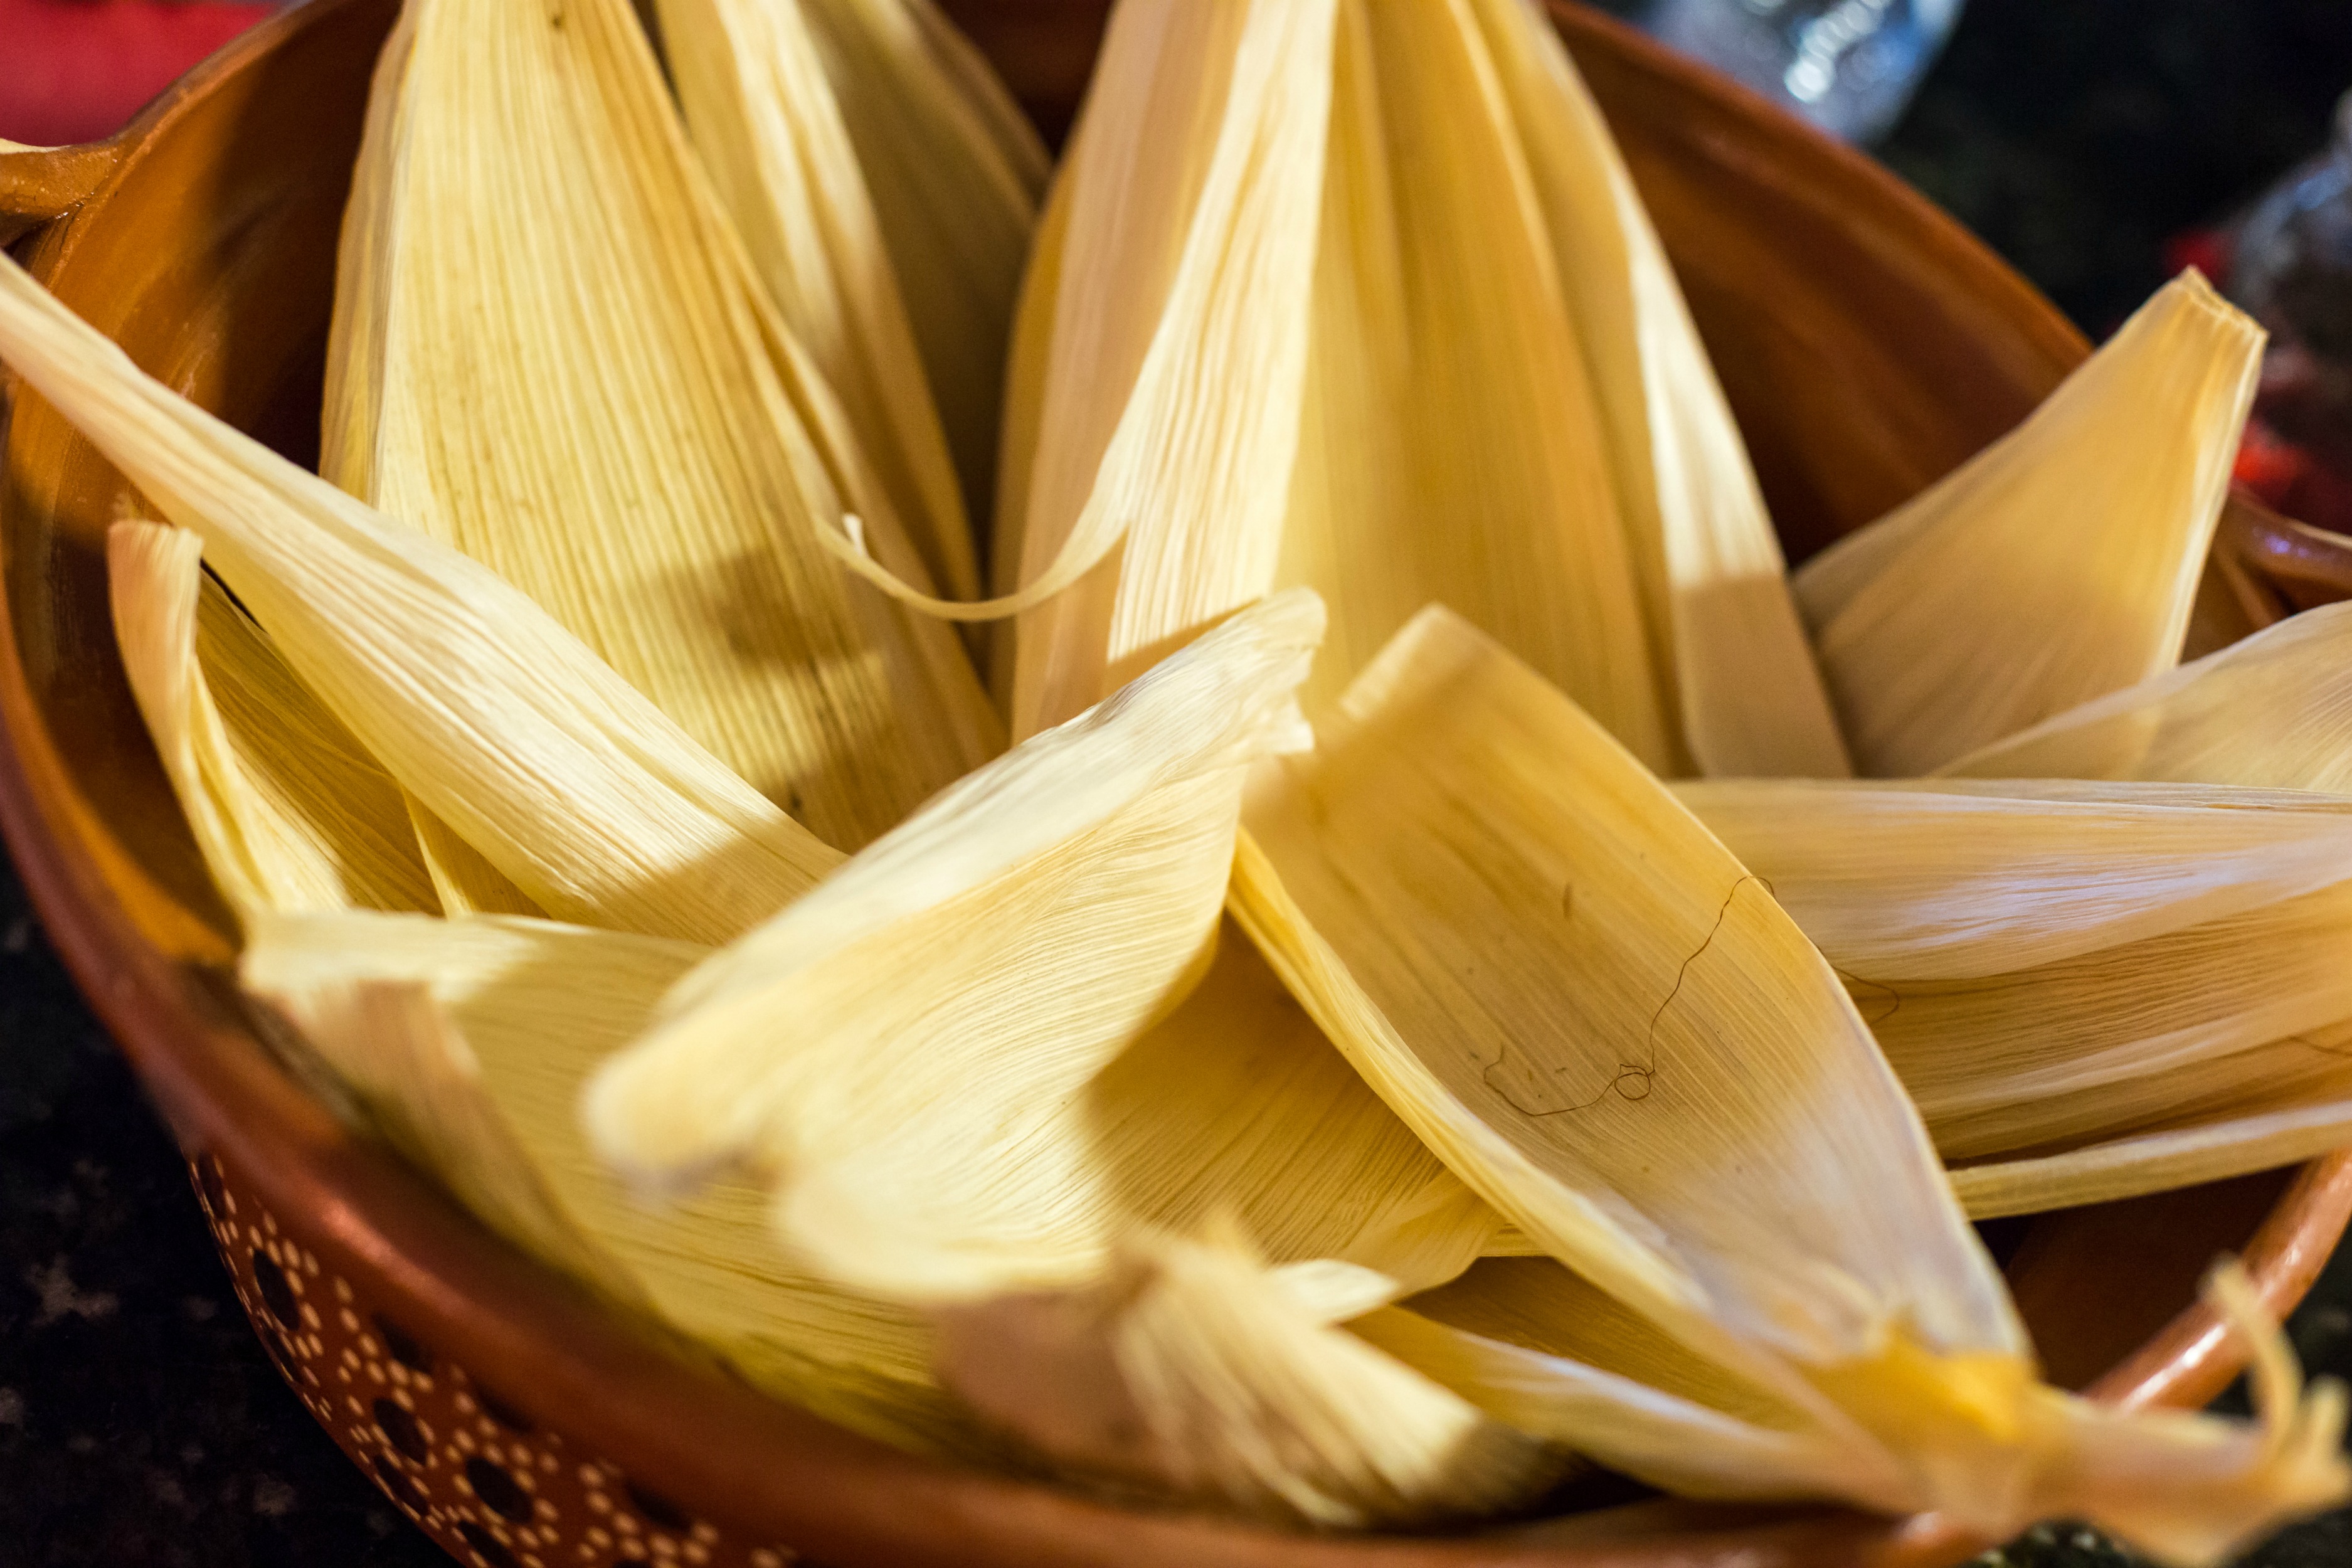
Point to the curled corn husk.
(2273, 710)
(929, 981)
(550, 351)
(955, 171)
(1167, 414)
(1520, 414)
(963, 1111)
(1192, 1369)
(289, 810)
(1453, 445)
(469, 1042)
(499, 722)
(761, 106)
(2128, 975)
(1527, 1340)
(1962, 879)
(1551, 971)
(1745, 695)
(2056, 566)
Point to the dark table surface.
(139, 1421)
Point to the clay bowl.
(1868, 346)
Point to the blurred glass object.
(1848, 66)
(2292, 267)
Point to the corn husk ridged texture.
(550, 351)
(470, 1040)
(473, 699)
(1551, 971)
(2057, 565)
(289, 810)
(2056, 967)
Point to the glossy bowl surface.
(1868, 346)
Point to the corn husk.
(469, 1042)
(1167, 414)
(550, 351)
(1960, 879)
(1527, 1340)
(1550, 971)
(1194, 1372)
(2058, 565)
(760, 102)
(959, 1113)
(473, 699)
(1570, 375)
(2273, 710)
(956, 170)
(286, 807)
(1454, 447)
(2056, 967)
(1745, 695)
(935, 1007)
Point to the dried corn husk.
(550, 351)
(767, 123)
(1550, 971)
(481, 705)
(2181, 1480)
(1192, 1369)
(2054, 967)
(289, 810)
(960, 1112)
(1527, 1340)
(1745, 695)
(936, 1007)
(468, 1041)
(1453, 445)
(1960, 879)
(2274, 710)
(955, 171)
(2162, 1160)
(2056, 566)
(1167, 410)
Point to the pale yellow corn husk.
(2056, 566)
(484, 709)
(1453, 445)
(937, 998)
(289, 810)
(2181, 1486)
(766, 122)
(2156, 1161)
(1746, 694)
(1551, 971)
(955, 170)
(468, 1041)
(2274, 710)
(1028, 358)
(2098, 1021)
(1193, 1371)
(1167, 412)
(988, 1088)
(465, 879)
(1527, 1340)
(2053, 966)
(1905, 881)
(549, 351)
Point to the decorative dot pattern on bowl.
(493, 1486)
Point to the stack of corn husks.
(1027, 802)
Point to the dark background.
(139, 1421)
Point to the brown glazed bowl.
(1868, 346)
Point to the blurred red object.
(75, 70)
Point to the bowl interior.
(1866, 344)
